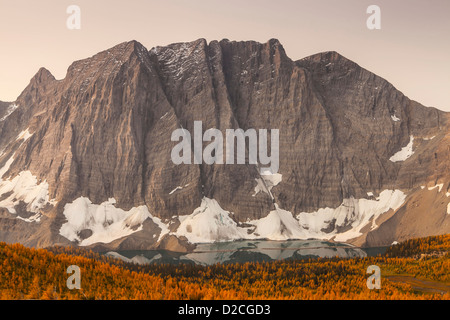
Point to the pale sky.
(412, 49)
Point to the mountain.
(86, 160)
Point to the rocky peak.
(43, 76)
(37, 87)
(325, 57)
(331, 67)
(105, 64)
(178, 60)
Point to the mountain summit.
(86, 160)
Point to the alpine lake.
(248, 251)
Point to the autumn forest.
(414, 269)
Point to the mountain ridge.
(103, 132)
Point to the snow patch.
(106, 222)
(177, 188)
(6, 166)
(352, 213)
(279, 224)
(404, 153)
(209, 223)
(24, 187)
(448, 208)
(431, 138)
(35, 218)
(24, 135)
(437, 186)
(394, 118)
(164, 229)
(267, 182)
(164, 115)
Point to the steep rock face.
(378, 115)
(104, 132)
(194, 82)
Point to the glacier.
(105, 220)
(210, 223)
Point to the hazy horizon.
(410, 51)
